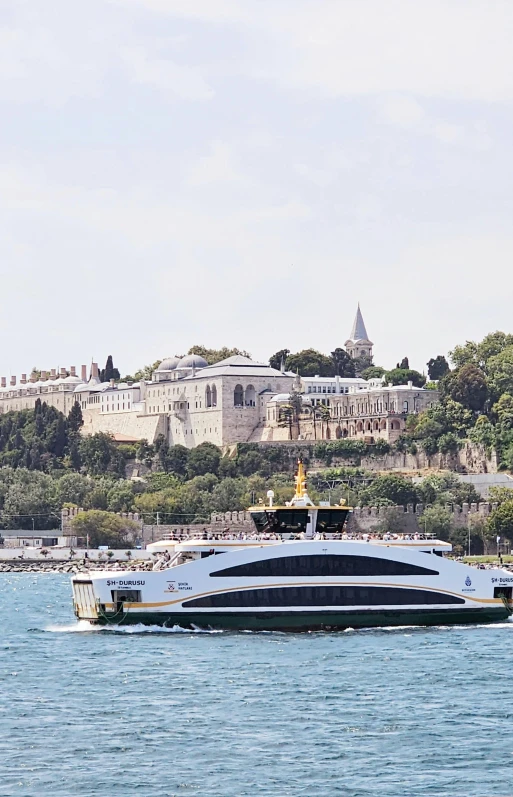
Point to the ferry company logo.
(468, 581)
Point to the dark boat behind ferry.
(300, 571)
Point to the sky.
(244, 172)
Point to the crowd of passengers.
(291, 534)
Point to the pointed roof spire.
(358, 331)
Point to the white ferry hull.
(298, 586)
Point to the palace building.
(236, 400)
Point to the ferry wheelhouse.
(299, 571)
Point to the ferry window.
(126, 595)
(322, 596)
(331, 521)
(288, 520)
(260, 520)
(325, 565)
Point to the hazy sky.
(243, 172)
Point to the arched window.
(250, 396)
(214, 396)
(328, 433)
(208, 397)
(238, 396)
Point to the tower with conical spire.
(359, 344)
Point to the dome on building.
(72, 380)
(192, 361)
(168, 364)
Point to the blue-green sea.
(166, 713)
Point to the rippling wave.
(94, 711)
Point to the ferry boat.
(299, 571)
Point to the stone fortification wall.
(233, 522)
(362, 519)
(469, 459)
(129, 424)
(68, 513)
(371, 518)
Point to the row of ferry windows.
(322, 596)
(295, 521)
(324, 565)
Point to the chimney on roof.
(4, 381)
(53, 374)
(33, 377)
(13, 381)
(94, 370)
(63, 373)
(44, 376)
(83, 369)
(112, 382)
(23, 380)
(410, 385)
(73, 370)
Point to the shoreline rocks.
(68, 566)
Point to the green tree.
(228, 495)
(401, 376)
(143, 374)
(109, 372)
(466, 385)
(29, 501)
(500, 521)
(362, 363)
(396, 489)
(120, 497)
(73, 488)
(480, 353)
(483, 433)
(343, 364)
(404, 365)
(105, 528)
(436, 520)
(174, 460)
(216, 355)
(203, 459)
(280, 358)
(502, 410)
(500, 494)
(96, 452)
(373, 372)
(75, 418)
(437, 367)
(310, 362)
(500, 372)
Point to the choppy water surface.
(398, 712)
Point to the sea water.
(161, 713)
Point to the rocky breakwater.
(34, 566)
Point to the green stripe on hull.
(309, 621)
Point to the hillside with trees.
(476, 401)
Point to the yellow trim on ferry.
(307, 584)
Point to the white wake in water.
(83, 626)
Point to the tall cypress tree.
(75, 418)
(109, 372)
